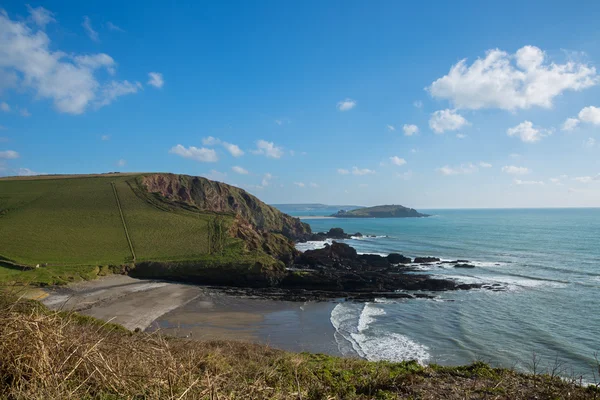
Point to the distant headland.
(384, 211)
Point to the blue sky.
(429, 105)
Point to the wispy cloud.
(346, 104)
(239, 170)
(198, 154)
(362, 171)
(156, 79)
(87, 26)
(268, 149)
(113, 27)
(528, 133)
(514, 170)
(342, 171)
(397, 160)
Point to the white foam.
(367, 316)
(527, 282)
(392, 347)
(355, 329)
(371, 253)
(312, 245)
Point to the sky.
(424, 104)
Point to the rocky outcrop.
(395, 258)
(338, 267)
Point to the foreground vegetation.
(55, 355)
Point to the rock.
(395, 258)
(422, 260)
(337, 233)
(464, 266)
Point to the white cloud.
(418, 104)
(266, 179)
(511, 81)
(121, 163)
(96, 61)
(233, 149)
(520, 182)
(591, 142)
(114, 89)
(527, 132)
(4, 107)
(313, 185)
(362, 171)
(410, 130)
(558, 180)
(397, 160)
(24, 112)
(269, 149)
(346, 104)
(105, 137)
(343, 171)
(570, 124)
(587, 179)
(514, 155)
(447, 120)
(199, 154)
(466, 168)
(210, 141)
(590, 114)
(299, 184)
(68, 79)
(513, 170)
(216, 175)
(413, 150)
(483, 164)
(391, 128)
(113, 27)
(156, 79)
(461, 135)
(27, 172)
(239, 170)
(8, 155)
(40, 16)
(87, 25)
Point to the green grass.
(73, 225)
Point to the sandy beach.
(199, 312)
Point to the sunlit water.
(548, 260)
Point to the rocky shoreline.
(335, 271)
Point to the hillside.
(385, 211)
(122, 220)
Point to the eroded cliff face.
(258, 224)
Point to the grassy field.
(58, 355)
(71, 225)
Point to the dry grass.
(51, 355)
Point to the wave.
(355, 330)
(512, 282)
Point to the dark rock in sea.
(464, 266)
(340, 269)
(396, 258)
(422, 260)
(333, 233)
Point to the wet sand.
(200, 313)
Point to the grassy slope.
(73, 224)
(49, 355)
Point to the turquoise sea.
(547, 259)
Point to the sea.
(546, 317)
